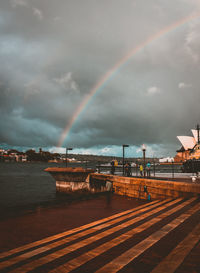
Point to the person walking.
(126, 169)
(129, 169)
(109, 190)
(115, 162)
(141, 170)
(112, 167)
(148, 169)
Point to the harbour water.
(26, 187)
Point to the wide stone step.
(131, 241)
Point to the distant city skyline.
(114, 151)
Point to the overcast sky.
(52, 54)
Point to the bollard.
(172, 169)
(193, 178)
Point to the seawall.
(158, 189)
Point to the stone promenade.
(159, 236)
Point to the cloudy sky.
(53, 54)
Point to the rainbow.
(110, 73)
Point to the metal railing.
(167, 171)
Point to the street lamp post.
(172, 168)
(67, 149)
(198, 141)
(144, 159)
(124, 146)
(136, 170)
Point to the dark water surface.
(25, 186)
(30, 208)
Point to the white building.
(189, 147)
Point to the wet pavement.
(102, 235)
(45, 221)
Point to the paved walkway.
(161, 236)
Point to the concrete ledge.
(158, 189)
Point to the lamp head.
(125, 145)
(143, 147)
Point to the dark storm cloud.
(54, 52)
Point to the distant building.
(190, 148)
(2, 151)
(182, 155)
(21, 158)
(166, 160)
